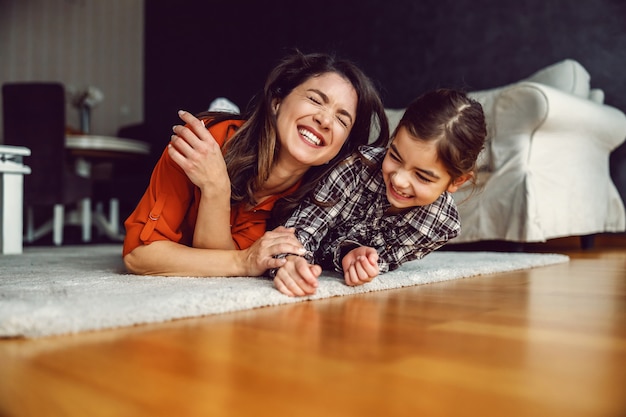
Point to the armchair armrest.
(525, 108)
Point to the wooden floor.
(549, 341)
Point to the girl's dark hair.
(452, 119)
(251, 152)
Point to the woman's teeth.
(310, 137)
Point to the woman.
(222, 177)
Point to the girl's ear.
(454, 185)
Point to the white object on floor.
(12, 171)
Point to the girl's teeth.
(399, 192)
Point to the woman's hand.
(360, 265)
(259, 257)
(297, 278)
(195, 150)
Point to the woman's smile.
(311, 137)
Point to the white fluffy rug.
(50, 291)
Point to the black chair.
(128, 178)
(34, 117)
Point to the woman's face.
(315, 119)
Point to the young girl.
(383, 207)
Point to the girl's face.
(315, 119)
(413, 173)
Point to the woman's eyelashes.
(341, 118)
(315, 100)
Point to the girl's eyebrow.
(428, 173)
(325, 100)
(420, 170)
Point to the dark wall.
(198, 50)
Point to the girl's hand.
(297, 278)
(360, 265)
(195, 150)
(259, 257)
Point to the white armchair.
(544, 172)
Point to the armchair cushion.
(567, 75)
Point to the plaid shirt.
(354, 213)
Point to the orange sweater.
(168, 209)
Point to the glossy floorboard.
(549, 341)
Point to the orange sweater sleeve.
(169, 207)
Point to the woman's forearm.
(212, 229)
(173, 259)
